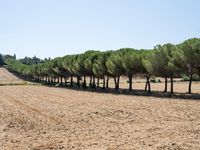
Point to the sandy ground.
(37, 117)
(139, 84)
(179, 87)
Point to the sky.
(52, 28)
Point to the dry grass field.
(40, 118)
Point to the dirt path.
(8, 78)
(5, 75)
(38, 117)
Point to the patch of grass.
(17, 83)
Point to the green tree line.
(168, 61)
(31, 61)
(4, 57)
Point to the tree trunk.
(78, 81)
(90, 81)
(65, 81)
(116, 82)
(104, 82)
(130, 82)
(172, 86)
(71, 82)
(84, 85)
(107, 82)
(165, 84)
(93, 82)
(61, 81)
(84, 80)
(190, 84)
(97, 82)
(149, 85)
(118, 79)
(146, 84)
(46, 79)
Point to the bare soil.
(7, 78)
(37, 117)
(139, 84)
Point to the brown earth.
(8, 78)
(38, 117)
(139, 84)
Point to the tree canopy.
(168, 61)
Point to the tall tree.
(132, 63)
(99, 67)
(144, 68)
(188, 56)
(160, 63)
(114, 66)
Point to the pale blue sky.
(51, 28)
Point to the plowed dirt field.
(37, 117)
(7, 78)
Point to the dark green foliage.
(153, 80)
(161, 63)
(185, 77)
(1, 60)
(195, 77)
(31, 61)
(132, 63)
(168, 61)
(5, 57)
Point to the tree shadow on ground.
(135, 92)
(156, 94)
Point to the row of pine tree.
(168, 61)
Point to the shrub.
(185, 77)
(159, 81)
(153, 80)
(195, 77)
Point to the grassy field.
(39, 117)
